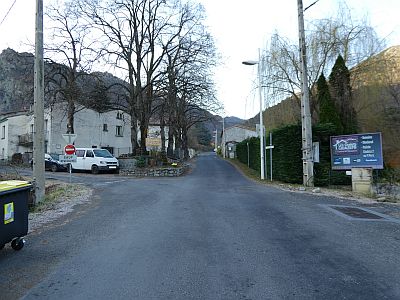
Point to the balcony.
(26, 139)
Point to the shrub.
(16, 159)
(141, 162)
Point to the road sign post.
(69, 137)
(70, 157)
(69, 149)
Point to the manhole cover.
(355, 212)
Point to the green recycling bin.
(14, 197)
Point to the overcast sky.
(239, 27)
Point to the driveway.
(212, 234)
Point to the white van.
(95, 160)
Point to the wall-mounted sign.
(356, 151)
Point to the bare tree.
(188, 82)
(137, 35)
(326, 39)
(72, 56)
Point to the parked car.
(95, 160)
(51, 163)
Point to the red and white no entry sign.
(69, 149)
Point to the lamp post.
(223, 140)
(262, 149)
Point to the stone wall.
(127, 163)
(155, 172)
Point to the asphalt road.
(211, 234)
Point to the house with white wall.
(110, 130)
(233, 135)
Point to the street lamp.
(223, 140)
(258, 63)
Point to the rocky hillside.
(16, 81)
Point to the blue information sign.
(356, 151)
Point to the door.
(89, 160)
(79, 164)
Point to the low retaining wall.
(127, 163)
(154, 172)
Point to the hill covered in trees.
(374, 97)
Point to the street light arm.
(250, 62)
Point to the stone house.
(110, 130)
(233, 135)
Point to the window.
(3, 132)
(120, 116)
(89, 153)
(32, 129)
(105, 127)
(80, 153)
(118, 130)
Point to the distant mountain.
(17, 84)
(16, 81)
(16, 93)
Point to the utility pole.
(38, 135)
(306, 126)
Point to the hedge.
(287, 156)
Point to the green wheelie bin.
(14, 198)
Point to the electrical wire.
(12, 5)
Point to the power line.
(12, 5)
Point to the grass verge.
(57, 193)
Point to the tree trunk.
(162, 132)
(185, 144)
(134, 142)
(178, 144)
(70, 116)
(170, 149)
(143, 136)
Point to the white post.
(262, 149)
(216, 140)
(223, 137)
(38, 137)
(308, 164)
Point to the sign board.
(269, 147)
(153, 142)
(356, 151)
(315, 147)
(69, 149)
(69, 137)
(67, 158)
(258, 129)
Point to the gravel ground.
(62, 205)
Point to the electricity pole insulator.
(306, 126)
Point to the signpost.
(356, 151)
(69, 137)
(360, 153)
(70, 157)
(69, 149)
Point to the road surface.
(212, 234)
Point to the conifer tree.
(327, 110)
(339, 82)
